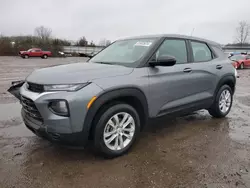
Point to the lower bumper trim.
(72, 139)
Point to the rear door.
(205, 68)
(171, 87)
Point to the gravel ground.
(16, 68)
(194, 151)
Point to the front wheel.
(222, 103)
(242, 66)
(45, 56)
(26, 56)
(116, 130)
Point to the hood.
(76, 73)
(22, 52)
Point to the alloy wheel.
(119, 131)
(225, 101)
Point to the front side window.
(201, 52)
(124, 52)
(175, 48)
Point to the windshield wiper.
(106, 63)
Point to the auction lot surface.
(191, 151)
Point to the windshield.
(29, 50)
(124, 52)
(237, 58)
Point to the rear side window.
(201, 52)
(175, 48)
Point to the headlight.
(59, 107)
(64, 87)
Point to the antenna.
(192, 32)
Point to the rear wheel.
(116, 130)
(222, 103)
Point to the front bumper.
(75, 139)
(67, 130)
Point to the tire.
(45, 56)
(215, 110)
(242, 66)
(26, 56)
(101, 144)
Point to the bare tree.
(243, 32)
(82, 42)
(92, 43)
(43, 32)
(104, 42)
(108, 42)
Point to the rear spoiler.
(15, 88)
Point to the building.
(236, 49)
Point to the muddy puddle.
(11, 124)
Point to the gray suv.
(110, 98)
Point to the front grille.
(30, 109)
(38, 88)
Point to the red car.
(35, 52)
(241, 61)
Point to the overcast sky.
(112, 19)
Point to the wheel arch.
(228, 79)
(132, 96)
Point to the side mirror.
(164, 61)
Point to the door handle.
(187, 70)
(218, 66)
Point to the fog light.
(59, 107)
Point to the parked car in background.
(35, 52)
(241, 61)
(228, 54)
(109, 99)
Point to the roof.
(174, 36)
(35, 48)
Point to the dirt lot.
(194, 151)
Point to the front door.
(171, 87)
(247, 62)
